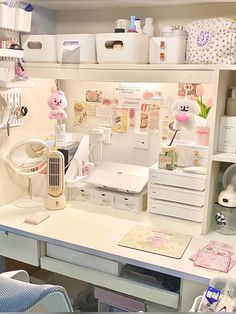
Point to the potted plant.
(202, 119)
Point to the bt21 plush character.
(57, 103)
(183, 112)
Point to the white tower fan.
(55, 181)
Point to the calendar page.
(156, 241)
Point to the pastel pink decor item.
(57, 103)
(202, 136)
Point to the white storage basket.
(167, 50)
(39, 48)
(23, 20)
(211, 41)
(87, 50)
(7, 17)
(122, 48)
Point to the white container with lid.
(148, 27)
(226, 211)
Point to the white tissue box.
(86, 52)
(227, 134)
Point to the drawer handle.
(196, 154)
(196, 162)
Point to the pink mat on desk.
(156, 241)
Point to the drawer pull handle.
(196, 154)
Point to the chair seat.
(17, 296)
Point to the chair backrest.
(17, 296)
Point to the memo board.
(156, 241)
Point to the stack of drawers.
(176, 193)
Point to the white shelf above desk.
(163, 73)
(224, 157)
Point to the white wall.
(35, 124)
(99, 21)
(122, 147)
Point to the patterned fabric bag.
(211, 41)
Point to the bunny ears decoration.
(57, 103)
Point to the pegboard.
(14, 99)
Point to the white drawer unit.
(179, 195)
(176, 193)
(19, 248)
(176, 178)
(175, 210)
(83, 193)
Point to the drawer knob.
(196, 154)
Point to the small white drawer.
(191, 155)
(177, 178)
(39, 48)
(102, 197)
(19, 248)
(83, 193)
(179, 195)
(122, 48)
(166, 208)
(135, 203)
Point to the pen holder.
(167, 158)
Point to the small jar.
(167, 158)
(225, 219)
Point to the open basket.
(218, 283)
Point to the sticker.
(186, 89)
(80, 114)
(93, 95)
(128, 91)
(120, 118)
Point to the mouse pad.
(156, 241)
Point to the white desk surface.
(97, 230)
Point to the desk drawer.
(20, 248)
(83, 259)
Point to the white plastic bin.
(122, 48)
(7, 17)
(87, 50)
(39, 48)
(23, 20)
(167, 50)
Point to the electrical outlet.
(141, 140)
(107, 134)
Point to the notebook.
(156, 241)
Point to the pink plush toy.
(57, 102)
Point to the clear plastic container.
(225, 219)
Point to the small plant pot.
(202, 136)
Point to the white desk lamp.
(29, 157)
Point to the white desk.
(96, 230)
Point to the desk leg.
(2, 264)
(189, 290)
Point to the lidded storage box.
(211, 41)
(87, 49)
(122, 48)
(39, 48)
(167, 50)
